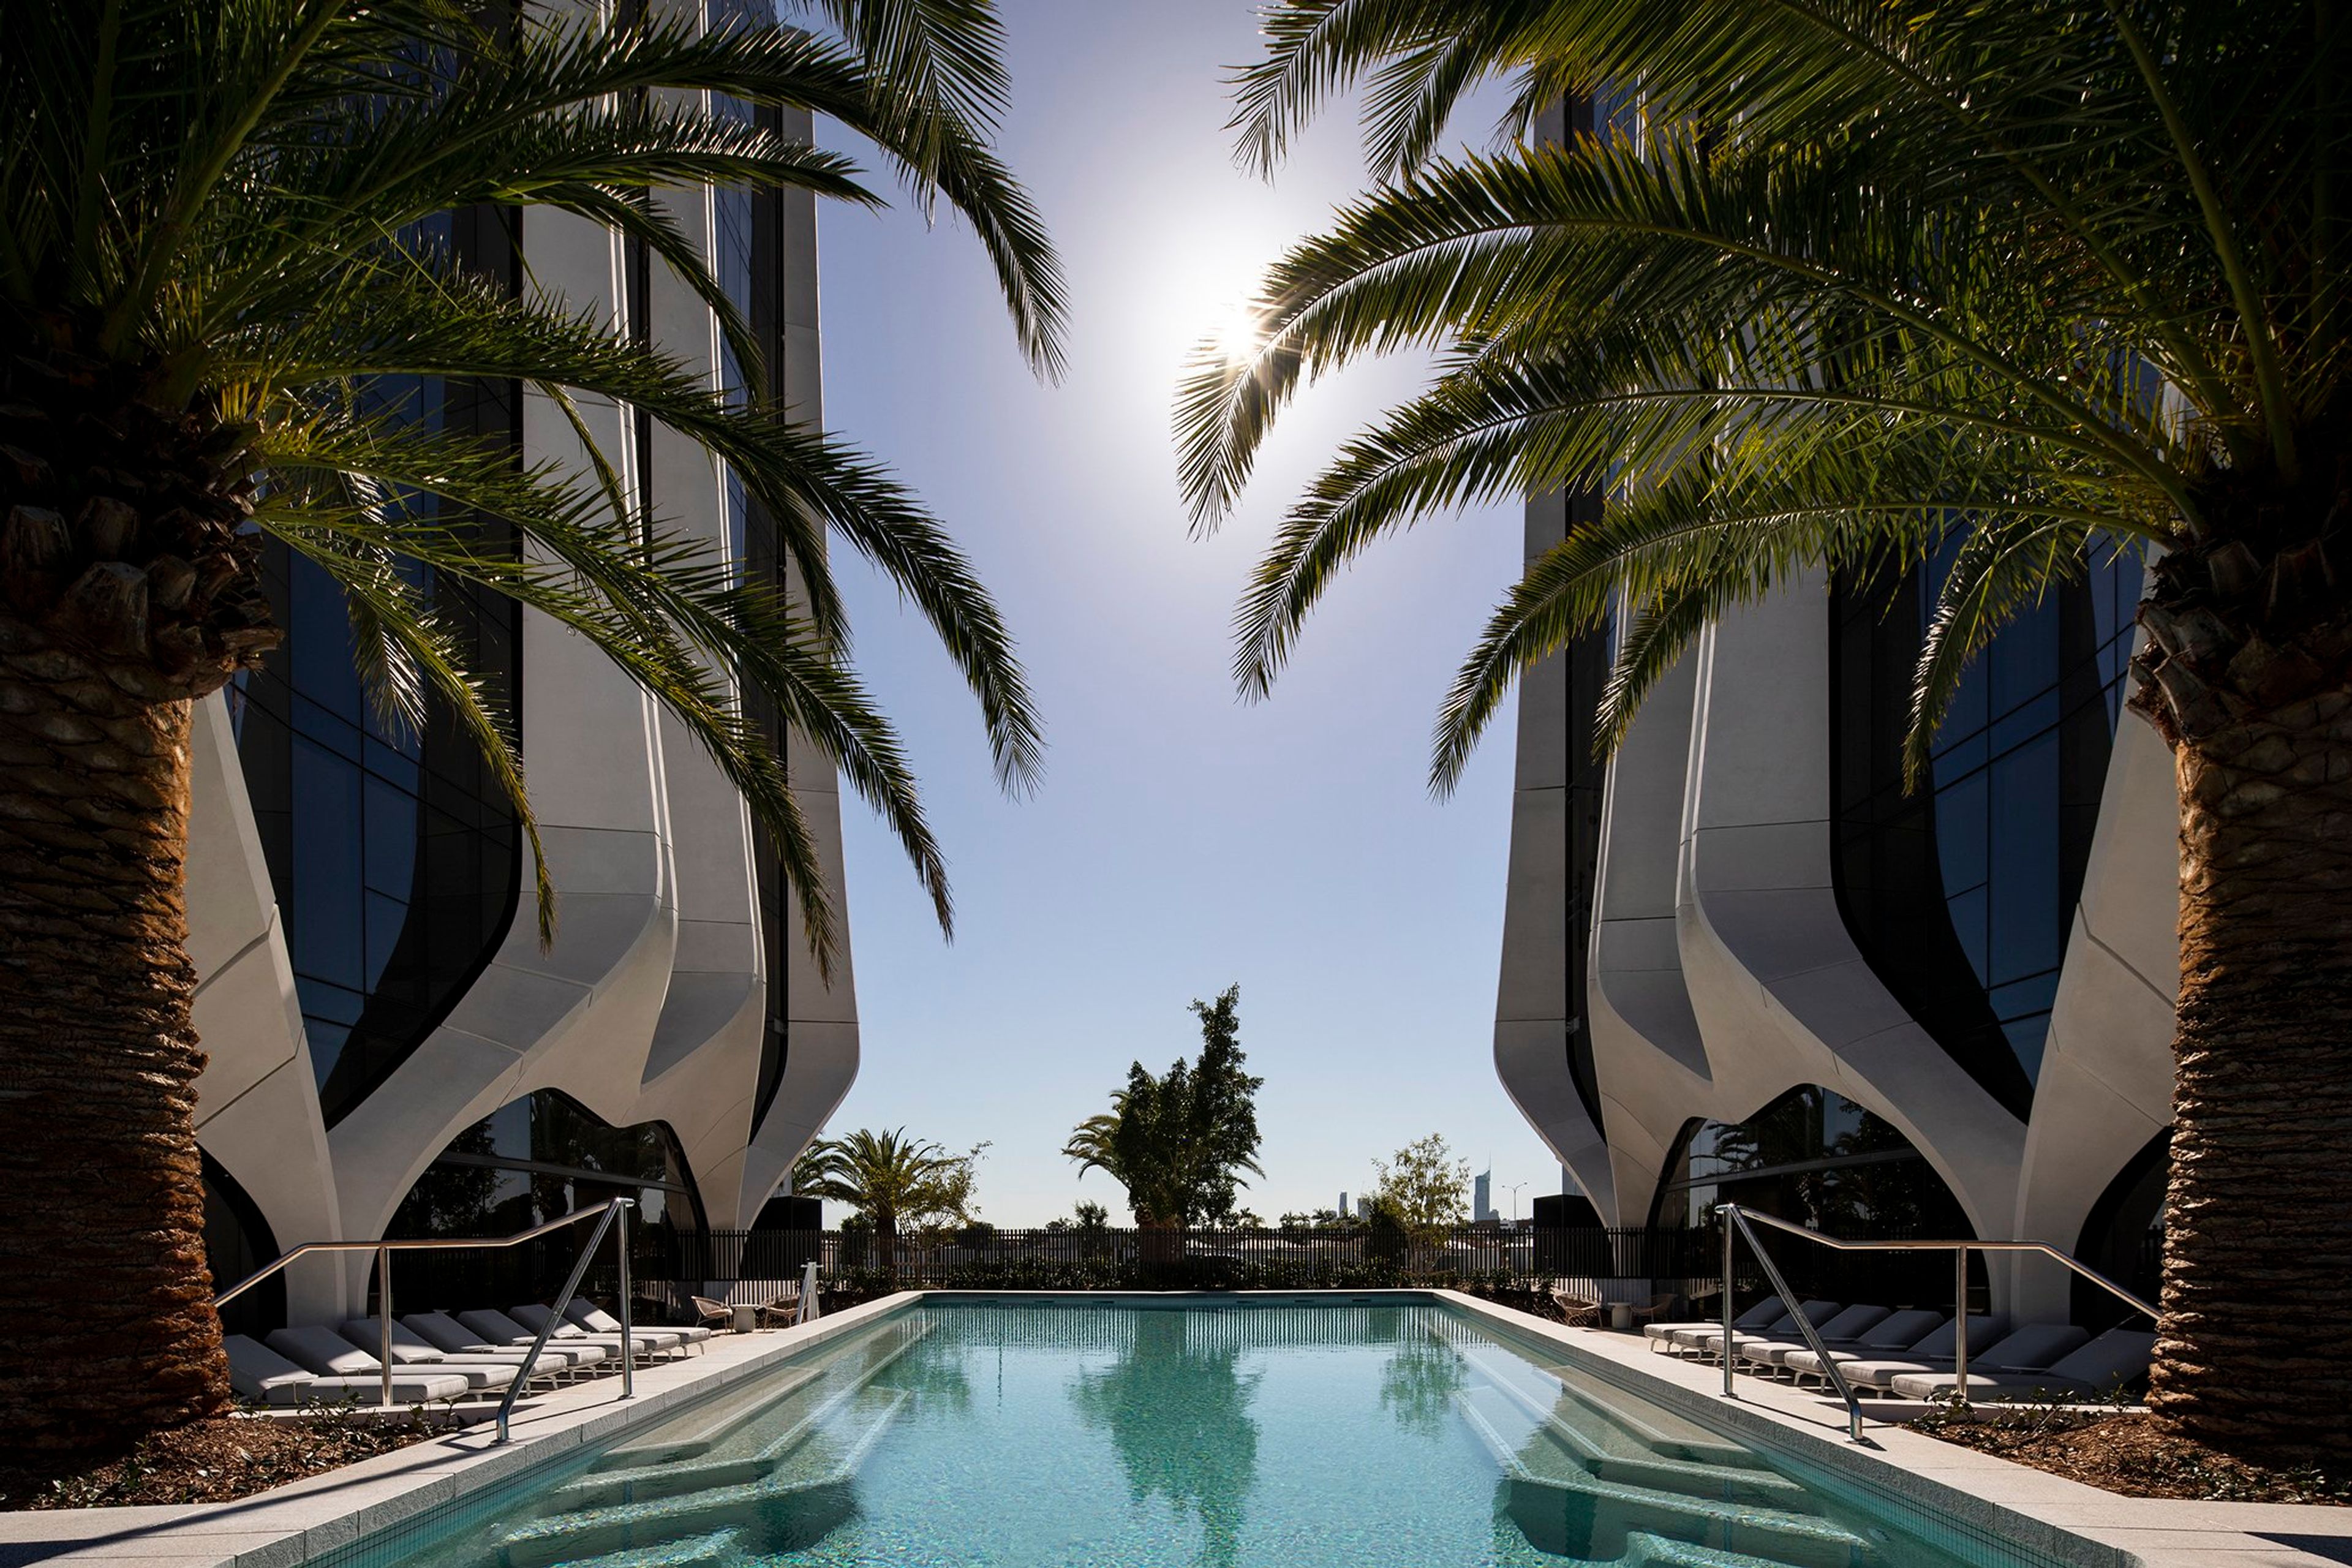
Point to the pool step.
(713, 1421)
(720, 1549)
(1575, 1513)
(818, 1461)
(1731, 1483)
(659, 1475)
(1643, 1550)
(1679, 1446)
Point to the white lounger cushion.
(2029, 1349)
(1896, 1332)
(595, 1319)
(1763, 1349)
(2116, 1357)
(1764, 1312)
(1923, 1355)
(496, 1327)
(532, 1316)
(483, 1369)
(324, 1351)
(1711, 1339)
(259, 1373)
(444, 1333)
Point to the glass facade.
(394, 859)
(1960, 894)
(1814, 1158)
(238, 1240)
(542, 1156)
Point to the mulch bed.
(2137, 1455)
(218, 1460)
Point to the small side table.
(1621, 1315)
(747, 1317)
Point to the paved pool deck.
(2015, 1502)
(402, 1491)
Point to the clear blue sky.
(1183, 840)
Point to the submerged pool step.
(659, 1474)
(720, 1549)
(1643, 1550)
(712, 1423)
(1575, 1512)
(820, 1460)
(1732, 1483)
(1703, 1450)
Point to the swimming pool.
(976, 1434)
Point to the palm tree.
(888, 1178)
(1880, 287)
(209, 266)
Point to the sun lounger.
(1767, 1312)
(1845, 1327)
(1891, 1335)
(643, 1341)
(2108, 1363)
(2029, 1349)
(327, 1352)
(409, 1349)
(258, 1373)
(592, 1319)
(445, 1332)
(1931, 1352)
(1709, 1342)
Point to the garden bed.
(2133, 1455)
(219, 1460)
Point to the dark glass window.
(545, 1155)
(2123, 1237)
(238, 1240)
(1814, 1158)
(1962, 894)
(394, 857)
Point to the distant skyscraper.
(1342, 1210)
(1481, 1189)
(1363, 1207)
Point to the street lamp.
(1514, 1204)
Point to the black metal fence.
(1619, 1264)
(1631, 1264)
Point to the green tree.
(1179, 1142)
(892, 1183)
(1424, 1187)
(1971, 290)
(210, 272)
(1179, 1416)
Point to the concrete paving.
(1986, 1496)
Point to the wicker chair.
(1578, 1311)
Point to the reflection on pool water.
(1098, 1435)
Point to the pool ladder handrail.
(1739, 1217)
(604, 1213)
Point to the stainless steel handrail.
(615, 1208)
(1738, 1218)
(1959, 1250)
(384, 1247)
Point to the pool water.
(959, 1434)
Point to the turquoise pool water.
(992, 1435)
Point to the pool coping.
(2063, 1521)
(2066, 1520)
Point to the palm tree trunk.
(2254, 1350)
(103, 1284)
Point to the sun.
(1233, 333)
